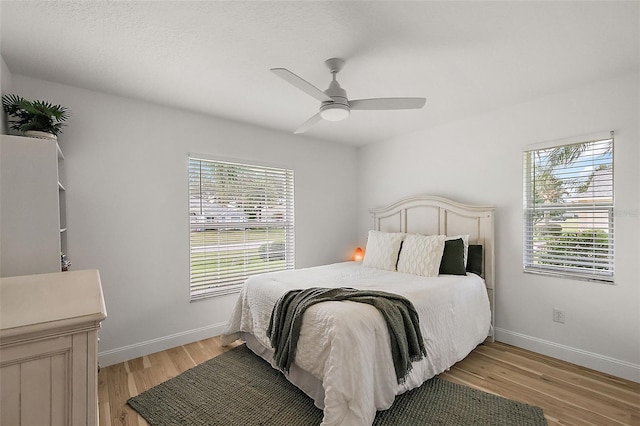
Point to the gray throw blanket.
(399, 313)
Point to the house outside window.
(568, 210)
(241, 220)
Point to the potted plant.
(39, 119)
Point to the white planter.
(40, 135)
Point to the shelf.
(29, 170)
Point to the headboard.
(429, 215)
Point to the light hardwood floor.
(568, 394)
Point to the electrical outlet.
(558, 315)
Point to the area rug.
(240, 388)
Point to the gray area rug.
(240, 388)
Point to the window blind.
(241, 220)
(568, 206)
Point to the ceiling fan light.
(335, 112)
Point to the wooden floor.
(568, 394)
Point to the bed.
(343, 361)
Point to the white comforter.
(346, 344)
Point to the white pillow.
(382, 250)
(421, 255)
(465, 240)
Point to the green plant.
(590, 245)
(27, 115)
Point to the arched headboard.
(429, 215)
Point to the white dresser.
(49, 348)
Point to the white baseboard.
(125, 353)
(605, 364)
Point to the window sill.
(591, 278)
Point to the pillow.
(452, 262)
(465, 239)
(382, 250)
(421, 255)
(474, 263)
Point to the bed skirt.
(305, 381)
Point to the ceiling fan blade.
(301, 84)
(388, 103)
(307, 124)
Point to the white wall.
(127, 213)
(479, 160)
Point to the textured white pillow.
(421, 255)
(382, 250)
(465, 240)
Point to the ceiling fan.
(335, 105)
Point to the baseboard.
(605, 364)
(125, 353)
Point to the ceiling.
(214, 57)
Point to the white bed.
(343, 359)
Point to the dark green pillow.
(474, 259)
(452, 262)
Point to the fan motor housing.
(335, 91)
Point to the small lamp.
(358, 255)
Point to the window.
(241, 224)
(568, 205)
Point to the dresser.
(49, 348)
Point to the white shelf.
(33, 211)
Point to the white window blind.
(568, 205)
(241, 224)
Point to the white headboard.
(429, 215)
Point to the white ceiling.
(214, 57)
